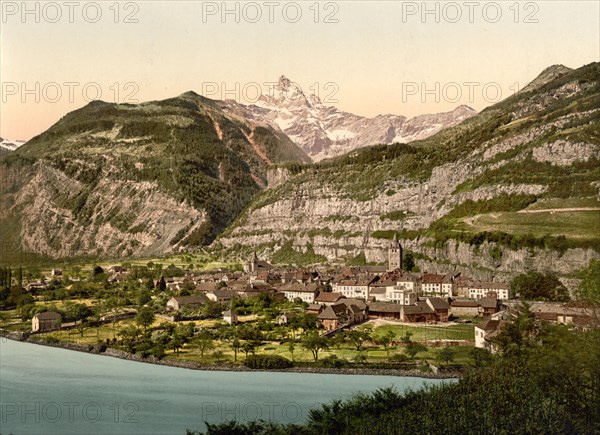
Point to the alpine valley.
(513, 188)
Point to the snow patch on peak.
(11, 145)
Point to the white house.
(307, 293)
(354, 288)
(437, 285)
(230, 317)
(46, 321)
(401, 295)
(479, 290)
(485, 332)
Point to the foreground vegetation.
(545, 380)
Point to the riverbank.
(116, 353)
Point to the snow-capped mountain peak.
(325, 131)
(10, 145)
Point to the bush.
(267, 362)
(333, 362)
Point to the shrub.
(267, 362)
(333, 362)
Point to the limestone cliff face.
(343, 208)
(120, 218)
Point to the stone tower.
(252, 265)
(395, 255)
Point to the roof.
(489, 325)
(490, 285)
(359, 303)
(224, 293)
(190, 300)
(384, 307)
(430, 278)
(314, 307)
(438, 303)
(206, 286)
(488, 302)
(328, 314)
(464, 304)
(378, 291)
(297, 287)
(48, 315)
(422, 308)
(329, 297)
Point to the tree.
(360, 358)
(411, 348)
(337, 340)
(291, 347)
(204, 342)
(445, 355)
(113, 304)
(537, 286)
(409, 262)
(414, 348)
(385, 340)
(144, 297)
(358, 337)
(145, 317)
(218, 354)
(519, 334)
(150, 283)
(79, 313)
(176, 342)
(589, 289)
(315, 343)
(235, 345)
(248, 347)
(97, 270)
(480, 357)
(162, 284)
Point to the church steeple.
(395, 254)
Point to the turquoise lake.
(45, 390)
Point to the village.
(373, 309)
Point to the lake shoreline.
(115, 353)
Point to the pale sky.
(374, 57)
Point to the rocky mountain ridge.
(324, 131)
(116, 180)
(533, 147)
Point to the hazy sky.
(364, 57)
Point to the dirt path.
(560, 210)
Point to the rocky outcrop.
(564, 153)
(123, 218)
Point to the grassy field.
(199, 261)
(571, 224)
(373, 353)
(564, 203)
(222, 351)
(429, 332)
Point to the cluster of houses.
(574, 314)
(348, 295)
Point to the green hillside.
(123, 169)
(466, 183)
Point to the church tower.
(254, 263)
(395, 255)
